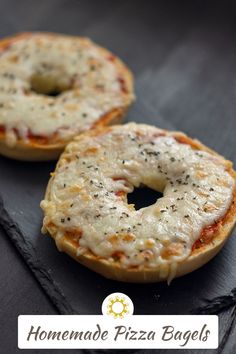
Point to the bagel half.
(204, 246)
(40, 82)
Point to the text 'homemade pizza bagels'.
(87, 213)
(54, 87)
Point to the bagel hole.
(48, 85)
(142, 197)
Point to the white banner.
(106, 332)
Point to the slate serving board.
(183, 58)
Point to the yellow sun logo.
(117, 307)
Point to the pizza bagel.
(87, 213)
(54, 87)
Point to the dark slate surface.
(183, 57)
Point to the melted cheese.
(91, 75)
(89, 193)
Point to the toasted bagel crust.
(97, 95)
(113, 268)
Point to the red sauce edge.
(123, 85)
(206, 235)
(40, 139)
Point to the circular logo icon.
(117, 305)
